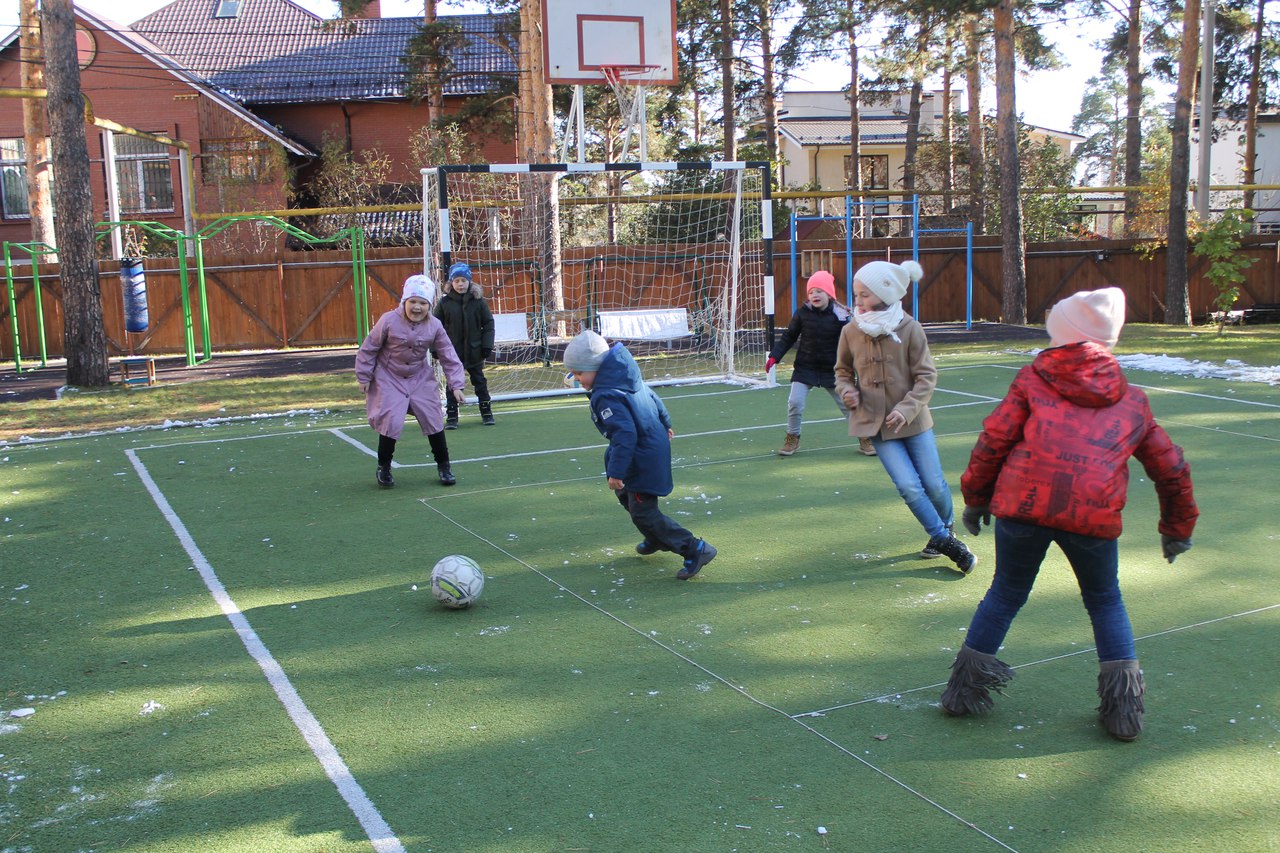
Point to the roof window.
(229, 8)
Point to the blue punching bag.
(134, 282)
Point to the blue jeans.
(1020, 549)
(916, 471)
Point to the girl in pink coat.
(393, 367)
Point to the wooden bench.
(138, 370)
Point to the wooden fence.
(306, 299)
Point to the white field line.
(731, 431)
(1083, 651)
(379, 832)
(1215, 397)
(737, 688)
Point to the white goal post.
(673, 259)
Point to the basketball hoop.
(628, 85)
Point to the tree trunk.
(36, 136)
(85, 338)
(1133, 120)
(1249, 169)
(538, 148)
(1177, 308)
(855, 113)
(435, 72)
(727, 80)
(973, 85)
(770, 99)
(1013, 266)
(916, 98)
(948, 154)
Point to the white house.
(813, 135)
(1226, 162)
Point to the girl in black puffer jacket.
(816, 324)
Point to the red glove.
(769, 363)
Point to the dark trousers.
(439, 448)
(658, 530)
(478, 382)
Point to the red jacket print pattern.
(1055, 452)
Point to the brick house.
(255, 87)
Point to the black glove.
(974, 517)
(1171, 547)
(485, 353)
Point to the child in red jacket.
(1051, 465)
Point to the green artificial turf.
(589, 701)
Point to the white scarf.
(877, 324)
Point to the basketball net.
(628, 85)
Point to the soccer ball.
(456, 581)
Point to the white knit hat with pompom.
(889, 281)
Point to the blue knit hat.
(459, 269)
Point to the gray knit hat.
(585, 352)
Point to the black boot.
(451, 413)
(446, 475)
(486, 413)
(954, 550)
(385, 480)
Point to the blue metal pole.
(915, 253)
(968, 275)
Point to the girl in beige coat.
(885, 375)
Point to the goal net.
(672, 259)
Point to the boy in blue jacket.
(638, 459)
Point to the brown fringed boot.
(973, 676)
(1120, 687)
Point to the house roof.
(277, 52)
(872, 130)
(152, 53)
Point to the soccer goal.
(672, 259)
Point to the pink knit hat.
(824, 281)
(1090, 315)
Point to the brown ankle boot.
(1120, 687)
(790, 445)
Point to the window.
(142, 175)
(228, 8)
(875, 171)
(875, 176)
(245, 161)
(13, 176)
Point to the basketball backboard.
(582, 36)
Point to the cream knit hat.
(1090, 315)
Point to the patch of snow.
(1232, 369)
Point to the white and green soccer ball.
(456, 581)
